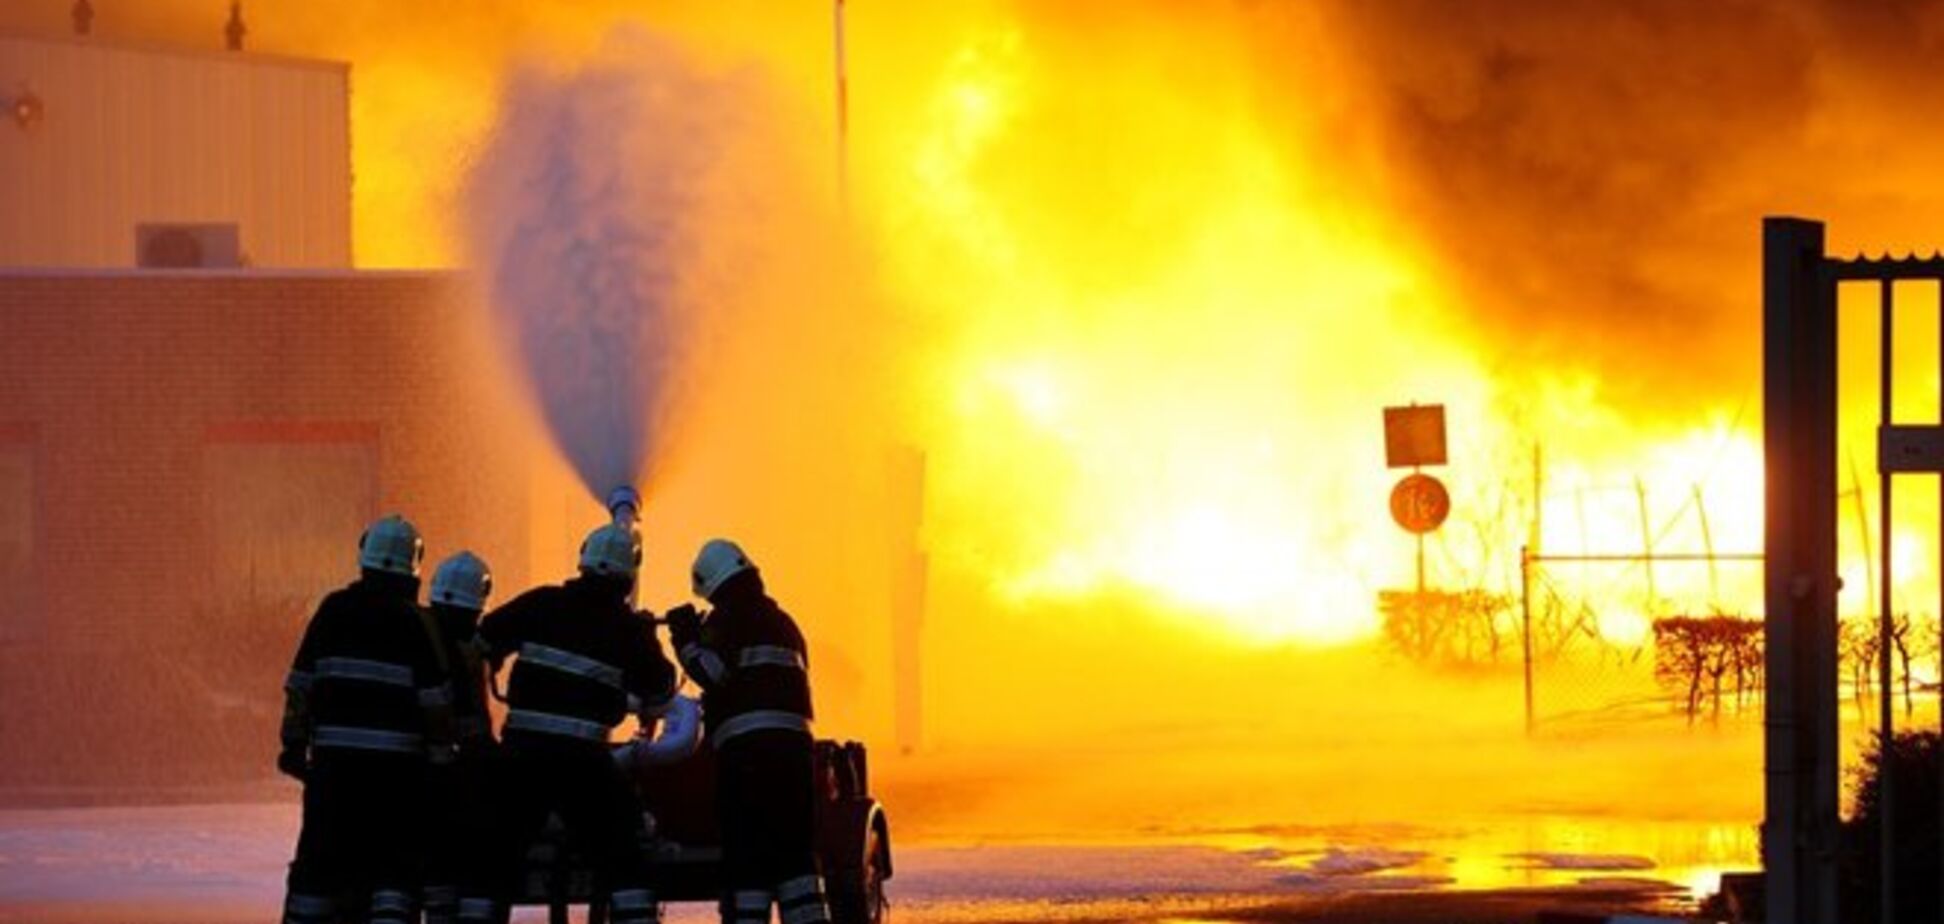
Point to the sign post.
(1414, 436)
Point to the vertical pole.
(1585, 534)
(1886, 699)
(1940, 611)
(1867, 545)
(1527, 555)
(1816, 654)
(1538, 498)
(1525, 610)
(910, 575)
(1421, 603)
(843, 106)
(1707, 547)
(1420, 569)
(1863, 536)
(1647, 544)
(1800, 734)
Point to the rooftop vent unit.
(187, 246)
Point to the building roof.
(257, 273)
(181, 51)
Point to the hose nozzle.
(625, 503)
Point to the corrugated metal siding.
(135, 135)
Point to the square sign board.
(1414, 435)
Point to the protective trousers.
(767, 803)
(536, 777)
(354, 855)
(459, 830)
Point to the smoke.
(1590, 175)
(585, 222)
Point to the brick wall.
(121, 382)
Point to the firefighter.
(365, 708)
(751, 663)
(583, 659)
(457, 798)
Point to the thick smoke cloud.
(1591, 174)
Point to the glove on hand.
(292, 763)
(684, 622)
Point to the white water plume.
(585, 217)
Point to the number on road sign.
(1420, 503)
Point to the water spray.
(587, 218)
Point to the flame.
(1172, 312)
(1147, 365)
(1172, 372)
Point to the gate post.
(1800, 578)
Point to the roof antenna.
(83, 14)
(234, 30)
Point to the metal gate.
(1799, 289)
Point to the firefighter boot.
(441, 904)
(801, 901)
(392, 906)
(747, 906)
(633, 906)
(302, 908)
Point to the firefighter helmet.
(611, 551)
(392, 545)
(463, 581)
(718, 561)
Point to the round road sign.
(1420, 503)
